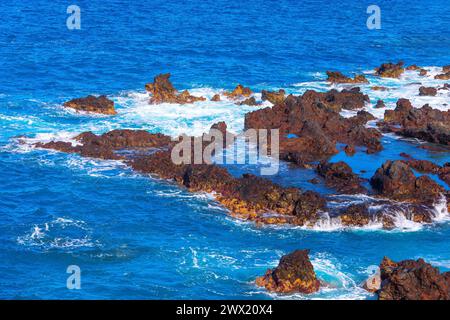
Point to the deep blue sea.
(135, 237)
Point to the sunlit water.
(138, 237)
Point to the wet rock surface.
(315, 121)
(162, 91)
(340, 176)
(424, 123)
(294, 273)
(390, 70)
(396, 180)
(412, 280)
(338, 77)
(92, 104)
(272, 96)
(427, 91)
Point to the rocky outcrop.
(162, 91)
(240, 92)
(340, 176)
(380, 104)
(294, 273)
(395, 180)
(93, 104)
(314, 120)
(216, 97)
(413, 67)
(273, 96)
(390, 70)
(427, 91)
(426, 123)
(412, 280)
(338, 77)
(443, 76)
(249, 102)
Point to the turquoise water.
(137, 237)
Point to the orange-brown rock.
(294, 273)
(338, 77)
(413, 67)
(390, 70)
(273, 96)
(239, 92)
(162, 91)
(249, 102)
(93, 104)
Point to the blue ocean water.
(137, 237)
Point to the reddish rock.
(216, 98)
(427, 91)
(272, 96)
(426, 123)
(92, 104)
(412, 280)
(315, 120)
(396, 180)
(390, 70)
(338, 77)
(162, 91)
(423, 72)
(340, 176)
(294, 273)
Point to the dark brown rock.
(396, 180)
(412, 280)
(427, 91)
(426, 123)
(92, 104)
(216, 97)
(390, 70)
(380, 104)
(340, 176)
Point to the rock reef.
(338, 77)
(424, 123)
(412, 280)
(93, 104)
(162, 91)
(390, 70)
(294, 273)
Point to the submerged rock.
(338, 77)
(93, 104)
(412, 280)
(163, 91)
(294, 273)
(390, 70)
